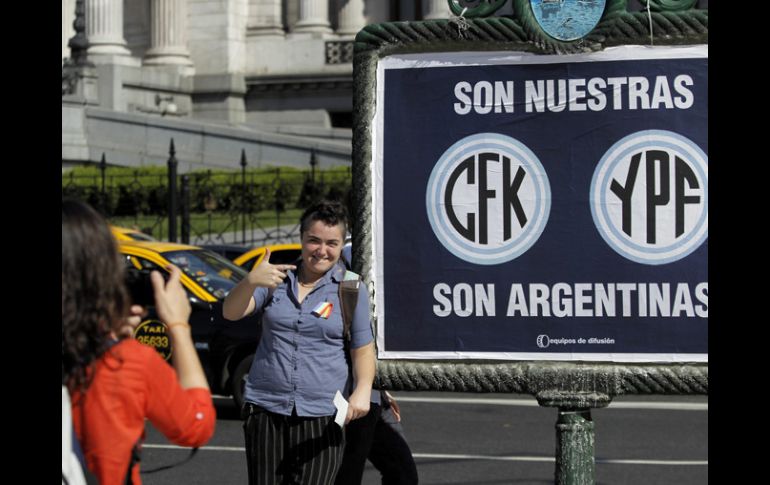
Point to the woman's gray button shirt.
(300, 360)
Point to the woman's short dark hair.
(329, 212)
(94, 299)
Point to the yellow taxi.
(225, 348)
(127, 234)
(279, 254)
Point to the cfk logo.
(649, 197)
(488, 199)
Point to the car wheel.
(238, 381)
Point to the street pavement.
(461, 438)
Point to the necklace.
(306, 285)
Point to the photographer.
(116, 382)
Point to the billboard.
(531, 207)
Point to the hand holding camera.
(171, 300)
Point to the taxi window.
(286, 256)
(213, 272)
(249, 263)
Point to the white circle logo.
(649, 197)
(488, 199)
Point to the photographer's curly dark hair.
(94, 299)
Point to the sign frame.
(584, 383)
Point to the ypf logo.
(488, 199)
(649, 197)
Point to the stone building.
(270, 77)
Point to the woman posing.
(300, 362)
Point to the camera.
(139, 286)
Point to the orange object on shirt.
(132, 382)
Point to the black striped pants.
(291, 450)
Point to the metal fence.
(246, 207)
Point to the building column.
(104, 28)
(437, 9)
(378, 11)
(67, 29)
(168, 34)
(351, 16)
(313, 17)
(265, 17)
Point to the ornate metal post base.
(575, 463)
(575, 448)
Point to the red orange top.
(132, 382)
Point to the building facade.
(271, 77)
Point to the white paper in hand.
(342, 409)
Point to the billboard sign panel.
(534, 207)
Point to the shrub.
(137, 191)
